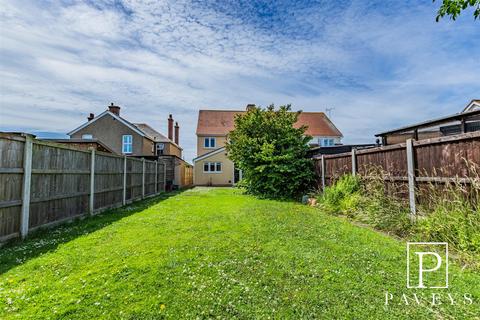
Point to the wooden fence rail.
(43, 183)
(436, 160)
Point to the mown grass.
(215, 253)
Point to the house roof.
(153, 134)
(221, 122)
(103, 114)
(472, 105)
(208, 154)
(142, 129)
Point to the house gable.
(110, 129)
(474, 105)
(103, 114)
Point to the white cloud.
(378, 66)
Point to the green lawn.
(217, 253)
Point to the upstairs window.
(87, 136)
(127, 142)
(327, 142)
(209, 142)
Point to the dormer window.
(87, 136)
(209, 142)
(127, 144)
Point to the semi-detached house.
(212, 167)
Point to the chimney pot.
(177, 132)
(170, 127)
(91, 116)
(114, 109)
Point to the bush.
(343, 197)
(271, 152)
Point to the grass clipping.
(446, 212)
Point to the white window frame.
(87, 136)
(209, 140)
(215, 166)
(126, 143)
(326, 142)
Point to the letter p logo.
(427, 265)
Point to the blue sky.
(380, 64)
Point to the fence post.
(156, 176)
(124, 196)
(354, 162)
(323, 172)
(143, 178)
(91, 206)
(27, 180)
(411, 178)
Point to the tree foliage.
(271, 152)
(453, 8)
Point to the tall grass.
(447, 212)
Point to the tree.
(271, 152)
(453, 8)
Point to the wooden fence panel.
(11, 176)
(149, 178)
(392, 161)
(135, 181)
(161, 176)
(447, 159)
(108, 181)
(336, 167)
(59, 184)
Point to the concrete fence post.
(156, 176)
(124, 196)
(354, 162)
(27, 181)
(91, 206)
(411, 178)
(143, 178)
(323, 172)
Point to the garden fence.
(44, 183)
(438, 160)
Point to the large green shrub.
(271, 152)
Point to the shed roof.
(431, 123)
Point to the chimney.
(250, 106)
(177, 131)
(170, 127)
(91, 116)
(114, 109)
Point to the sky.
(379, 64)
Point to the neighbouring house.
(466, 121)
(212, 166)
(126, 138)
(123, 137)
